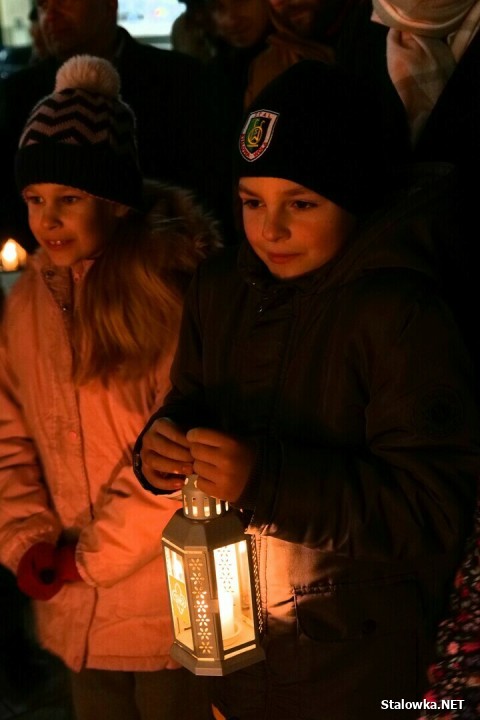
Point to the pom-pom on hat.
(82, 135)
(318, 127)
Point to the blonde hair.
(128, 311)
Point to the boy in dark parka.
(321, 385)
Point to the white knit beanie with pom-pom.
(82, 135)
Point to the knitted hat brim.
(80, 166)
(317, 126)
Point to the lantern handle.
(197, 505)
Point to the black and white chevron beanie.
(82, 135)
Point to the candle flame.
(12, 256)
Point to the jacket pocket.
(352, 611)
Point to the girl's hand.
(165, 455)
(37, 574)
(222, 462)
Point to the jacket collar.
(257, 275)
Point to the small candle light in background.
(12, 256)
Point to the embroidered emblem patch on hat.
(257, 134)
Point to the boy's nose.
(274, 227)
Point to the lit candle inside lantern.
(12, 256)
(227, 618)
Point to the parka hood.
(170, 216)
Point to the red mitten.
(36, 574)
(65, 563)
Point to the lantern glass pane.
(234, 593)
(182, 625)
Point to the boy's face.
(69, 224)
(293, 230)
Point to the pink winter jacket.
(65, 469)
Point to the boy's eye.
(32, 199)
(70, 199)
(303, 204)
(251, 203)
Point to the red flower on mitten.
(65, 563)
(37, 576)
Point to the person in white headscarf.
(425, 42)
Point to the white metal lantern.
(213, 586)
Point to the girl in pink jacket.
(87, 340)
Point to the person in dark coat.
(322, 387)
(305, 30)
(168, 92)
(240, 32)
(430, 53)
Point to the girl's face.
(293, 230)
(69, 224)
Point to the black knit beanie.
(316, 126)
(82, 135)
